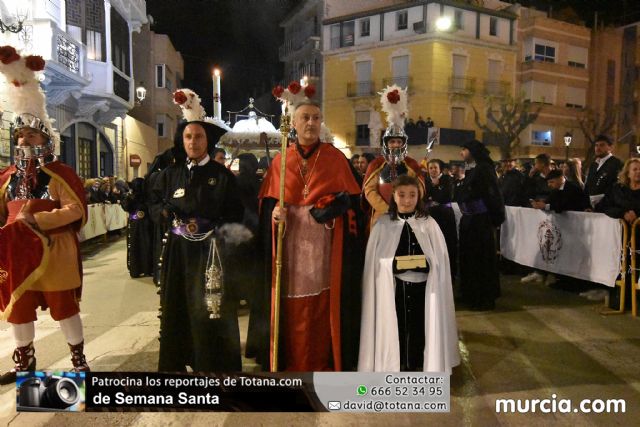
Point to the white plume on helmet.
(23, 94)
(395, 103)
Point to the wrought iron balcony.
(462, 85)
(361, 89)
(402, 81)
(497, 88)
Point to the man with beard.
(482, 210)
(603, 172)
(196, 197)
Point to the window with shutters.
(362, 127)
(86, 23)
(402, 20)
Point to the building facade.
(447, 73)
(88, 78)
(159, 68)
(553, 70)
(615, 88)
(301, 51)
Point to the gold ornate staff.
(284, 130)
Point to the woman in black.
(623, 199)
(439, 197)
(483, 210)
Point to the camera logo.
(48, 391)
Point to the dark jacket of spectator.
(599, 181)
(619, 200)
(569, 198)
(511, 186)
(536, 188)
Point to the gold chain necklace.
(305, 191)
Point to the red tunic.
(30, 260)
(310, 324)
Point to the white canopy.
(247, 132)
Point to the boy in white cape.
(408, 316)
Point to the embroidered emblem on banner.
(178, 193)
(550, 241)
(4, 275)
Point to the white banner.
(102, 218)
(578, 244)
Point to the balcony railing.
(402, 81)
(121, 86)
(496, 87)
(360, 89)
(300, 39)
(308, 70)
(462, 85)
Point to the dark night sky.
(242, 38)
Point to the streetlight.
(141, 93)
(567, 142)
(443, 23)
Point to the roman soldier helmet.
(193, 112)
(394, 102)
(28, 103)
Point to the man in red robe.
(322, 253)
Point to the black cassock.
(159, 224)
(482, 211)
(410, 303)
(187, 335)
(139, 231)
(440, 209)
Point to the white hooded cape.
(379, 342)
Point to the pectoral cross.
(305, 192)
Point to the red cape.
(65, 175)
(330, 163)
(332, 175)
(17, 274)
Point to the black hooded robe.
(161, 162)
(139, 231)
(442, 213)
(483, 210)
(187, 335)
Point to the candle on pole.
(217, 105)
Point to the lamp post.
(141, 93)
(217, 110)
(443, 23)
(567, 142)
